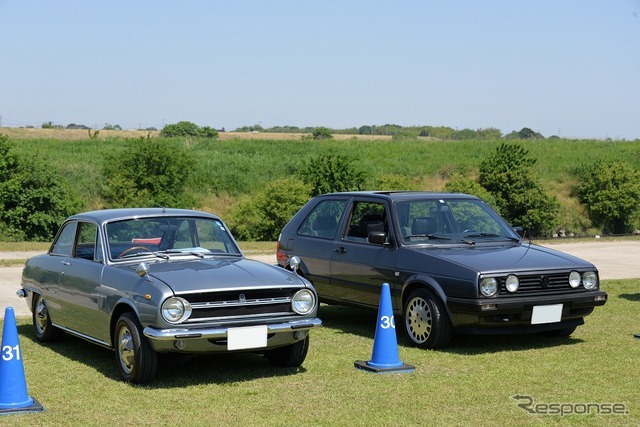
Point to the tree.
(322, 133)
(182, 128)
(509, 176)
(611, 194)
(148, 173)
(329, 173)
(460, 183)
(108, 126)
(524, 133)
(208, 132)
(185, 129)
(33, 202)
(263, 216)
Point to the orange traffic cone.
(385, 356)
(13, 386)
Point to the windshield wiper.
(144, 253)
(429, 236)
(471, 242)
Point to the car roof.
(107, 215)
(402, 195)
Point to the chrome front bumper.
(220, 333)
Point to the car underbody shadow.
(362, 322)
(174, 369)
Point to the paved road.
(615, 260)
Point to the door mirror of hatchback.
(377, 237)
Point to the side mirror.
(377, 237)
(519, 231)
(294, 263)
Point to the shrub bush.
(263, 216)
(33, 203)
(509, 176)
(611, 194)
(322, 133)
(148, 172)
(328, 173)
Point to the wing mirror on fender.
(294, 263)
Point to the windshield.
(455, 221)
(169, 235)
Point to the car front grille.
(540, 284)
(240, 304)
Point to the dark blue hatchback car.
(453, 265)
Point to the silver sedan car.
(148, 281)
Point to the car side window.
(64, 243)
(87, 239)
(323, 220)
(366, 217)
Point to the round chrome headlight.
(489, 286)
(574, 279)
(176, 310)
(512, 283)
(303, 301)
(590, 280)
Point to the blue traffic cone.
(13, 386)
(385, 357)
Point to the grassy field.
(471, 383)
(239, 165)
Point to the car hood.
(508, 258)
(220, 274)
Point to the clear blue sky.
(560, 67)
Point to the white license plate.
(546, 314)
(249, 337)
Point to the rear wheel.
(135, 357)
(425, 321)
(290, 356)
(44, 330)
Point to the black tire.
(426, 323)
(560, 333)
(290, 356)
(44, 330)
(136, 359)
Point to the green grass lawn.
(471, 383)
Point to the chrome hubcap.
(42, 316)
(125, 350)
(418, 320)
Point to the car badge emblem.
(242, 298)
(544, 281)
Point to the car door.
(358, 266)
(82, 300)
(315, 242)
(52, 267)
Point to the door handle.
(341, 250)
(66, 263)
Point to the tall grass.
(237, 167)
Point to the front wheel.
(290, 356)
(425, 321)
(44, 330)
(135, 357)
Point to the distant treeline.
(439, 132)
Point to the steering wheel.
(126, 251)
(470, 230)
